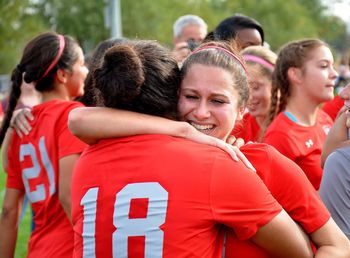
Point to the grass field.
(24, 227)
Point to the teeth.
(202, 127)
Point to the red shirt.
(164, 196)
(302, 144)
(332, 107)
(291, 188)
(247, 129)
(33, 167)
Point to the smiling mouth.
(202, 127)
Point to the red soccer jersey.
(333, 106)
(161, 196)
(247, 129)
(291, 188)
(302, 144)
(33, 167)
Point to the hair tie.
(259, 60)
(224, 50)
(57, 57)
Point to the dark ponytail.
(37, 66)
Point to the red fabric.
(302, 144)
(332, 107)
(289, 185)
(204, 188)
(53, 235)
(247, 129)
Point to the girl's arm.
(330, 241)
(281, 237)
(93, 123)
(66, 166)
(9, 222)
(336, 138)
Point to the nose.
(334, 74)
(201, 111)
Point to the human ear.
(294, 74)
(62, 76)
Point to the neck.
(260, 120)
(304, 111)
(56, 93)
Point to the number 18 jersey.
(158, 196)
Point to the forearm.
(5, 146)
(8, 238)
(9, 223)
(336, 138)
(92, 124)
(330, 241)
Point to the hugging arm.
(93, 123)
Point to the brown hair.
(210, 54)
(293, 54)
(37, 56)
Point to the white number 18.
(148, 227)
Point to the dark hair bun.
(120, 76)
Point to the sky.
(340, 8)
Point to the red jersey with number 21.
(33, 167)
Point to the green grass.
(24, 227)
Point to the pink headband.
(224, 50)
(259, 60)
(57, 57)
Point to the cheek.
(183, 106)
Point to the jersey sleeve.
(239, 199)
(68, 144)
(282, 143)
(13, 169)
(292, 189)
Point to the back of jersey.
(33, 167)
(160, 196)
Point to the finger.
(28, 114)
(239, 142)
(22, 122)
(19, 133)
(19, 125)
(231, 139)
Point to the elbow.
(75, 119)
(9, 215)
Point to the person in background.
(304, 78)
(243, 29)
(203, 102)
(40, 164)
(260, 63)
(189, 31)
(335, 184)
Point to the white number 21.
(148, 227)
(34, 171)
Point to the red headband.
(57, 57)
(224, 50)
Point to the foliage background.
(282, 21)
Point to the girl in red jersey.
(209, 106)
(40, 164)
(304, 78)
(260, 66)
